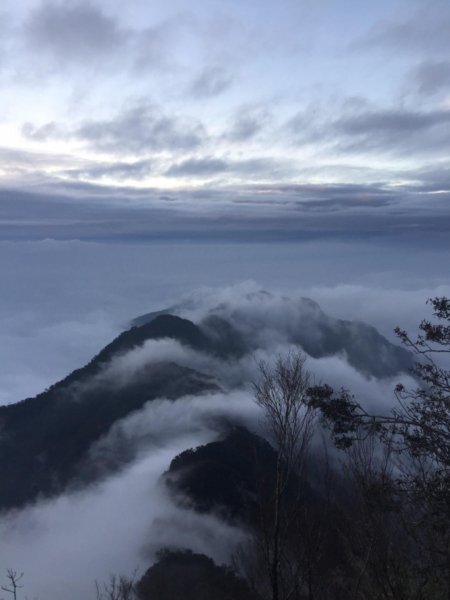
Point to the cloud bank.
(116, 525)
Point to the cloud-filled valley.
(115, 496)
(63, 301)
(116, 526)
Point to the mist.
(61, 302)
(69, 299)
(117, 524)
(64, 546)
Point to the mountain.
(364, 347)
(235, 478)
(301, 322)
(228, 476)
(45, 440)
(221, 476)
(184, 574)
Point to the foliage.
(413, 494)
(420, 422)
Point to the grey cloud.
(199, 166)
(43, 132)
(34, 166)
(211, 82)
(135, 129)
(432, 77)
(435, 176)
(430, 179)
(157, 47)
(313, 124)
(346, 197)
(141, 128)
(79, 210)
(210, 166)
(73, 32)
(71, 206)
(426, 31)
(265, 167)
(326, 198)
(395, 129)
(152, 48)
(122, 170)
(360, 127)
(6, 29)
(247, 124)
(391, 121)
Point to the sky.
(240, 120)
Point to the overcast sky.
(142, 118)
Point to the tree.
(14, 578)
(420, 420)
(117, 588)
(417, 430)
(281, 392)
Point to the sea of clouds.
(63, 301)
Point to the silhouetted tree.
(281, 392)
(13, 578)
(116, 588)
(417, 432)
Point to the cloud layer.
(63, 301)
(117, 525)
(218, 94)
(79, 295)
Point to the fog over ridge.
(66, 311)
(64, 545)
(125, 508)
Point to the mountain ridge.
(44, 440)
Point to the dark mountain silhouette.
(163, 326)
(220, 336)
(225, 339)
(44, 441)
(235, 479)
(364, 347)
(305, 324)
(151, 316)
(183, 574)
(227, 476)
